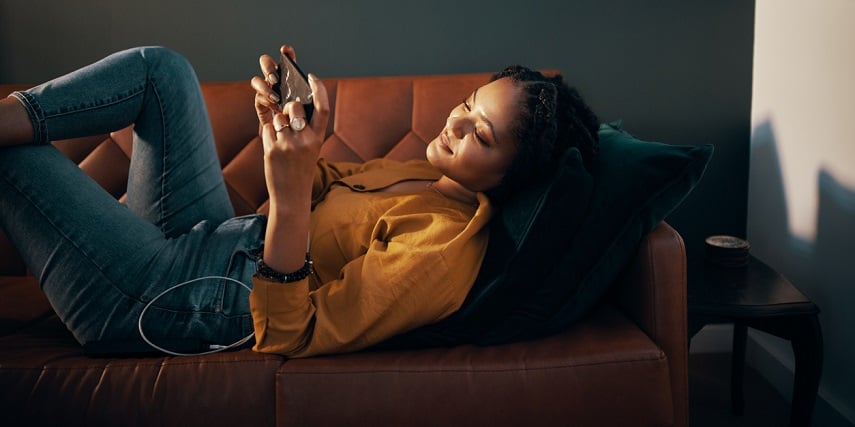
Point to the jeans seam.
(39, 118)
(151, 82)
(117, 100)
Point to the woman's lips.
(443, 142)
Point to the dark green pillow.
(636, 185)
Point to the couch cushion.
(577, 377)
(47, 380)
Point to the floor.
(709, 395)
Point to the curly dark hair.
(553, 117)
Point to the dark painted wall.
(674, 71)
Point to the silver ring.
(298, 123)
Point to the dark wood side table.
(759, 297)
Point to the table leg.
(805, 334)
(737, 367)
(807, 347)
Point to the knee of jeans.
(165, 60)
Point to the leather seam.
(661, 357)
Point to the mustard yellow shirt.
(384, 262)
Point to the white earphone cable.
(214, 348)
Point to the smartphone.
(294, 84)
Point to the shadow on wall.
(767, 201)
(822, 269)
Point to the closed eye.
(468, 108)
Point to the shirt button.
(359, 186)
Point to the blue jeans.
(99, 262)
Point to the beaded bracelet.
(266, 272)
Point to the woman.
(348, 256)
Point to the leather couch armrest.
(652, 292)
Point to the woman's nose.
(457, 125)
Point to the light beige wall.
(801, 202)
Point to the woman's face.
(477, 144)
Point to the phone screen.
(294, 84)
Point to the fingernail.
(274, 97)
(298, 99)
(273, 78)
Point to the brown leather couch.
(623, 365)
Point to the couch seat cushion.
(603, 371)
